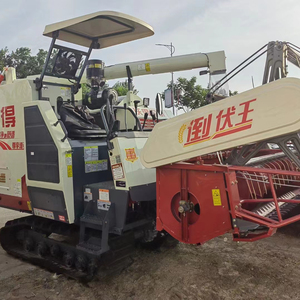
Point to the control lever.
(63, 127)
(152, 114)
(145, 119)
(136, 102)
(125, 111)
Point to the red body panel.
(213, 219)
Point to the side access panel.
(48, 163)
(41, 151)
(90, 165)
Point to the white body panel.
(267, 111)
(12, 136)
(126, 162)
(13, 98)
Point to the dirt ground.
(220, 269)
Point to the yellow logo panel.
(131, 155)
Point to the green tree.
(232, 93)
(22, 60)
(85, 89)
(3, 58)
(187, 94)
(122, 88)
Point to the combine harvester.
(90, 183)
(79, 176)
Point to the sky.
(236, 26)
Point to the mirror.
(146, 102)
(158, 104)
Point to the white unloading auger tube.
(262, 113)
(215, 61)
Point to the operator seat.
(79, 123)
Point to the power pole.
(172, 50)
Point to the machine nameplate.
(43, 213)
(216, 197)
(62, 218)
(121, 184)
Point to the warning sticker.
(91, 153)
(95, 166)
(29, 205)
(18, 188)
(65, 91)
(43, 213)
(147, 67)
(69, 164)
(70, 171)
(104, 195)
(117, 171)
(216, 197)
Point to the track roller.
(42, 249)
(69, 259)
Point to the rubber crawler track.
(27, 238)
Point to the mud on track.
(220, 269)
